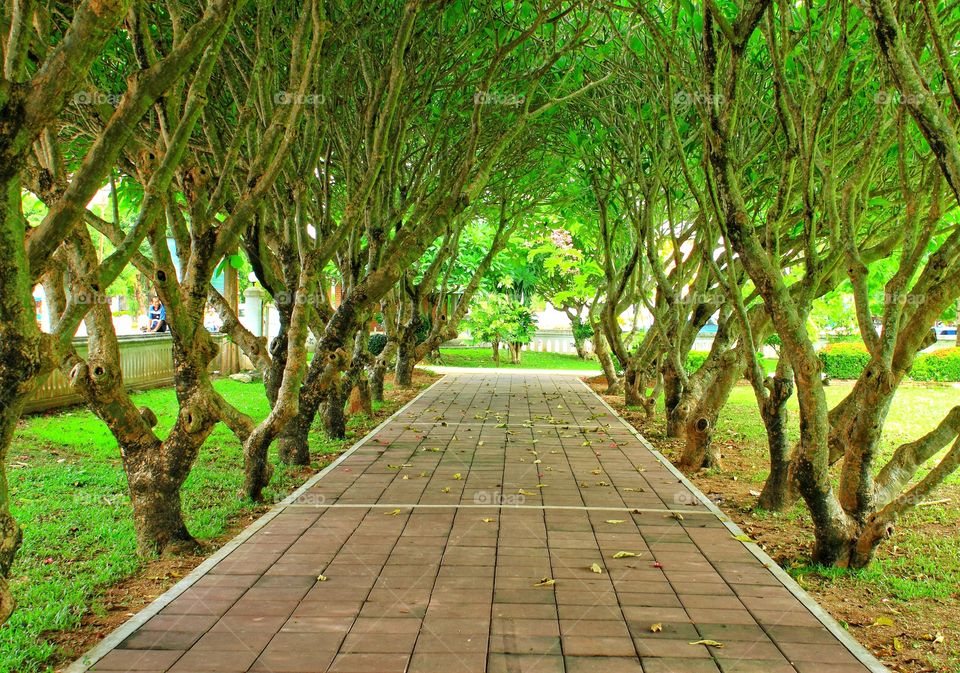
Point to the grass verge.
(483, 357)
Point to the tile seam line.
(861, 653)
(129, 627)
(580, 508)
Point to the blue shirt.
(156, 315)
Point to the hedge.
(940, 365)
(844, 360)
(695, 360)
(848, 360)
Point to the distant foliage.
(496, 318)
(581, 328)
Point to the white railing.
(145, 360)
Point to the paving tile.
(160, 640)
(517, 663)
(603, 665)
(138, 660)
(369, 663)
(598, 646)
(679, 665)
(439, 589)
(215, 661)
(513, 644)
(447, 663)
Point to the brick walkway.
(504, 524)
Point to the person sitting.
(156, 316)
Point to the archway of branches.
(716, 161)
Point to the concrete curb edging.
(862, 654)
(117, 636)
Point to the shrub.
(940, 365)
(376, 343)
(695, 360)
(844, 360)
(423, 329)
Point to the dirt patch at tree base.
(119, 602)
(918, 635)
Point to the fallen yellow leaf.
(394, 512)
(711, 643)
(545, 582)
(656, 628)
(615, 521)
(624, 554)
(321, 578)
(596, 568)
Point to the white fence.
(145, 360)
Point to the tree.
(498, 319)
(34, 94)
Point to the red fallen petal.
(657, 564)
(48, 561)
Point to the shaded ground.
(913, 587)
(499, 523)
(77, 575)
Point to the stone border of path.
(126, 629)
(852, 644)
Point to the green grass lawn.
(916, 410)
(483, 357)
(69, 495)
